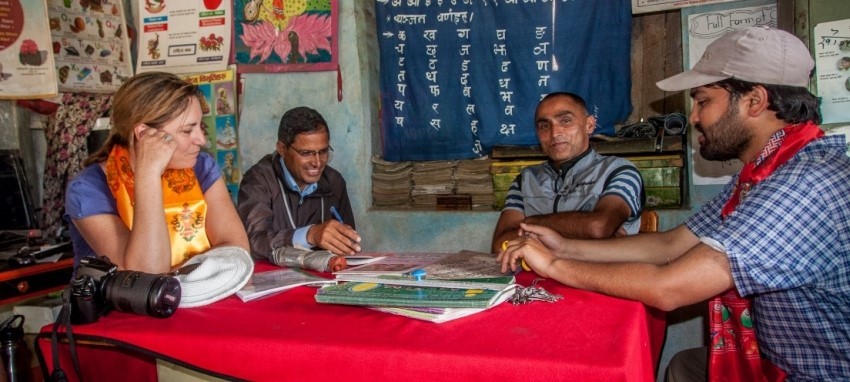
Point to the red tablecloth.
(584, 337)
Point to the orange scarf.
(183, 202)
(734, 352)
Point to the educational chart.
(458, 77)
(90, 44)
(186, 36)
(704, 25)
(219, 108)
(832, 57)
(643, 6)
(26, 65)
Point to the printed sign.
(187, 36)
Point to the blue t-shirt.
(88, 194)
(788, 245)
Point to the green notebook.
(494, 283)
(374, 294)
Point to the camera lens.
(142, 293)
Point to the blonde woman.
(150, 199)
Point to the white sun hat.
(756, 54)
(220, 273)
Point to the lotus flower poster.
(285, 35)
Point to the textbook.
(374, 294)
(363, 258)
(464, 265)
(394, 263)
(465, 269)
(437, 315)
(269, 282)
(494, 283)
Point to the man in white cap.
(778, 234)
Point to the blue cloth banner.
(461, 76)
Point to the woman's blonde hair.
(151, 98)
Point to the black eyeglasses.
(309, 154)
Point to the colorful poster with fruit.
(219, 121)
(184, 36)
(91, 45)
(26, 64)
(285, 36)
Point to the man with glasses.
(292, 198)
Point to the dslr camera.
(100, 287)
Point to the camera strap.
(64, 318)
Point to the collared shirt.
(577, 185)
(788, 245)
(299, 237)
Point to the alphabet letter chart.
(460, 76)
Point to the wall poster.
(26, 62)
(187, 36)
(458, 78)
(220, 123)
(91, 45)
(643, 6)
(285, 36)
(704, 25)
(832, 60)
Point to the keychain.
(524, 295)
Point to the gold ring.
(167, 137)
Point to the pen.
(336, 215)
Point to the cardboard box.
(39, 313)
(503, 174)
(454, 202)
(662, 179)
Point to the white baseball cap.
(756, 54)
(222, 272)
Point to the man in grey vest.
(577, 192)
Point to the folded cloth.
(638, 130)
(319, 260)
(222, 272)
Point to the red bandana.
(734, 353)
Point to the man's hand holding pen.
(334, 235)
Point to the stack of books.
(267, 283)
(263, 284)
(391, 183)
(436, 287)
(431, 179)
(472, 177)
(433, 185)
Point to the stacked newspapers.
(391, 183)
(431, 179)
(472, 177)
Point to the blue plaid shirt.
(788, 244)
